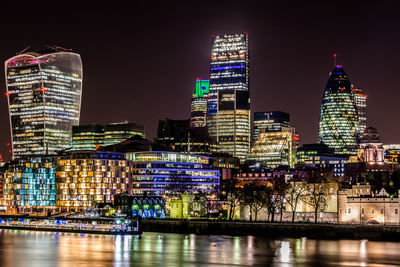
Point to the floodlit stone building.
(358, 205)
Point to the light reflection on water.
(26, 248)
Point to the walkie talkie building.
(44, 99)
(228, 105)
(339, 124)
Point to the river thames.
(27, 248)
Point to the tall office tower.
(270, 121)
(338, 125)
(228, 106)
(120, 131)
(361, 103)
(44, 99)
(199, 104)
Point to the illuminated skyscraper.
(361, 103)
(228, 106)
(44, 99)
(270, 121)
(338, 125)
(199, 104)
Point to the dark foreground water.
(26, 248)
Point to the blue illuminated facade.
(30, 182)
(159, 173)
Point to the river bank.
(275, 230)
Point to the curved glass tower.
(44, 99)
(338, 125)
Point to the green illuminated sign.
(202, 87)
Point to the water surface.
(28, 248)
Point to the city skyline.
(276, 52)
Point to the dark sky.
(141, 61)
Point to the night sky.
(141, 61)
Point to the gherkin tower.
(338, 125)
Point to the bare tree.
(233, 197)
(272, 202)
(316, 197)
(294, 193)
(204, 202)
(280, 188)
(253, 195)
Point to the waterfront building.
(87, 137)
(91, 137)
(228, 105)
(339, 123)
(361, 104)
(269, 121)
(274, 148)
(186, 206)
(159, 173)
(30, 184)
(392, 153)
(199, 104)
(358, 205)
(145, 207)
(87, 178)
(44, 99)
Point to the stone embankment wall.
(274, 230)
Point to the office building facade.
(30, 183)
(90, 137)
(275, 148)
(228, 105)
(361, 104)
(269, 121)
(198, 109)
(339, 123)
(159, 173)
(87, 178)
(44, 99)
(87, 137)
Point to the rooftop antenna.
(334, 60)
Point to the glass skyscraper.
(228, 105)
(361, 103)
(44, 99)
(339, 124)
